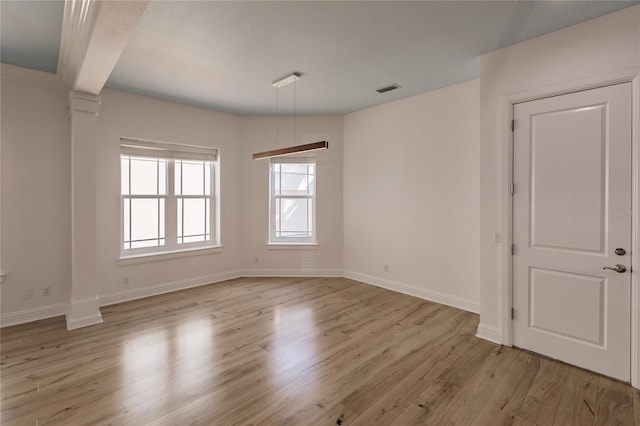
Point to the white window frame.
(172, 153)
(273, 239)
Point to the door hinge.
(513, 313)
(512, 188)
(513, 125)
(513, 249)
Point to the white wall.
(567, 57)
(411, 195)
(258, 133)
(127, 115)
(35, 186)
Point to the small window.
(168, 197)
(293, 200)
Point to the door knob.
(619, 268)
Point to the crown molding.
(27, 75)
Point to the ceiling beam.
(94, 35)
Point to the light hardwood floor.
(291, 351)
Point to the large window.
(168, 197)
(292, 201)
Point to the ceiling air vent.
(389, 88)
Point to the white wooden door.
(571, 211)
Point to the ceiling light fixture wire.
(314, 146)
(277, 114)
(294, 110)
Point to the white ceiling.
(30, 33)
(225, 54)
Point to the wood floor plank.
(290, 351)
(578, 399)
(543, 398)
(507, 388)
(614, 403)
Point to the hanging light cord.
(277, 115)
(294, 112)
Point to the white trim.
(26, 75)
(33, 314)
(73, 323)
(505, 116)
(83, 102)
(77, 26)
(154, 290)
(167, 255)
(489, 333)
(412, 290)
(635, 234)
(171, 198)
(293, 272)
(82, 313)
(292, 246)
(271, 238)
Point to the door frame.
(506, 209)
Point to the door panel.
(571, 210)
(548, 292)
(560, 192)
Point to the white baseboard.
(291, 273)
(139, 293)
(34, 314)
(489, 333)
(411, 290)
(73, 323)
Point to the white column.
(83, 304)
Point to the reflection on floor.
(298, 351)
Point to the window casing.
(169, 197)
(292, 209)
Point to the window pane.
(162, 177)
(144, 176)
(194, 239)
(144, 219)
(292, 217)
(178, 178)
(124, 175)
(207, 223)
(194, 216)
(146, 243)
(193, 177)
(161, 208)
(275, 177)
(180, 202)
(295, 168)
(127, 224)
(207, 179)
(294, 179)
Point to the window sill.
(167, 255)
(292, 246)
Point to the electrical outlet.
(46, 292)
(27, 294)
(386, 268)
(497, 237)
